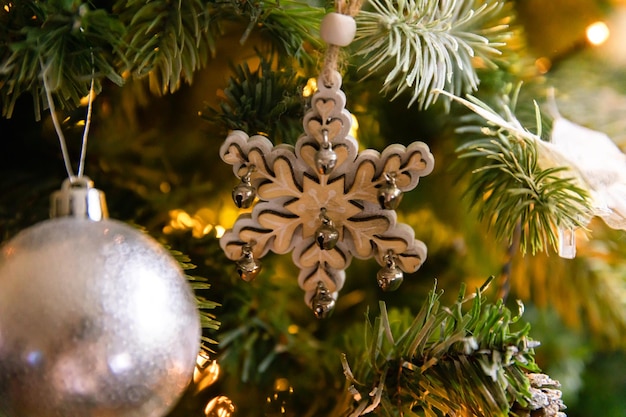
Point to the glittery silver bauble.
(325, 160)
(389, 196)
(389, 278)
(323, 302)
(244, 195)
(96, 319)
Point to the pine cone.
(545, 398)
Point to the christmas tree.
(507, 113)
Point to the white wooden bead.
(338, 29)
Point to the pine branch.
(262, 101)
(446, 362)
(167, 40)
(294, 24)
(514, 182)
(432, 44)
(198, 284)
(66, 40)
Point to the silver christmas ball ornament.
(389, 277)
(389, 195)
(248, 267)
(96, 318)
(323, 302)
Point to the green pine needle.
(208, 320)
(511, 188)
(168, 40)
(293, 24)
(444, 361)
(425, 44)
(262, 101)
(515, 186)
(74, 42)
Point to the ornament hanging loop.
(247, 176)
(325, 157)
(337, 29)
(57, 124)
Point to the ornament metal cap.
(78, 198)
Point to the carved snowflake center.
(315, 197)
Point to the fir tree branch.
(262, 101)
(167, 40)
(515, 184)
(72, 40)
(446, 362)
(293, 24)
(208, 320)
(431, 44)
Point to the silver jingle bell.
(323, 302)
(248, 268)
(244, 195)
(327, 236)
(325, 160)
(389, 196)
(389, 277)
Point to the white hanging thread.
(57, 125)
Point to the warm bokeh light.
(206, 372)
(85, 100)
(282, 384)
(165, 187)
(200, 224)
(219, 231)
(598, 33)
(354, 129)
(543, 65)
(310, 87)
(219, 407)
(203, 221)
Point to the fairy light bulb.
(219, 406)
(597, 33)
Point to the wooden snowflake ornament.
(324, 201)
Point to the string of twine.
(331, 58)
(57, 124)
